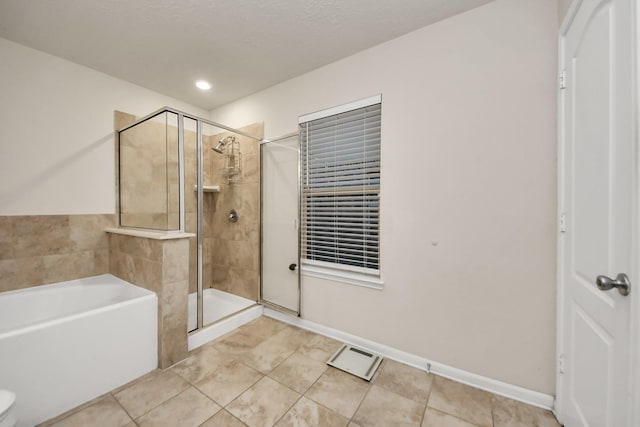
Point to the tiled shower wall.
(148, 157)
(231, 251)
(41, 249)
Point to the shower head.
(220, 145)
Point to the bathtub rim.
(147, 294)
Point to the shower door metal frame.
(261, 300)
(181, 183)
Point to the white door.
(280, 273)
(596, 194)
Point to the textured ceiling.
(240, 46)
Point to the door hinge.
(562, 79)
(563, 222)
(561, 363)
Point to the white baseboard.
(222, 327)
(488, 384)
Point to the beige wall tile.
(41, 235)
(245, 283)
(175, 261)
(86, 232)
(150, 249)
(101, 261)
(121, 119)
(251, 169)
(59, 268)
(240, 254)
(123, 266)
(6, 237)
(21, 273)
(207, 276)
(147, 274)
(50, 248)
(174, 323)
(220, 277)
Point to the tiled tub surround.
(66, 343)
(268, 373)
(41, 249)
(162, 266)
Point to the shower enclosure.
(180, 173)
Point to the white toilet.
(7, 399)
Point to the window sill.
(342, 276)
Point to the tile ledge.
(157, 235)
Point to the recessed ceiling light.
(203, 85)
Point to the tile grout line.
(426, 405)
(164, 401)
(67, 414)
(133, 420)
(453, 415)
(493, 418)
(309, 398)
(232, 359)
(301, 395)
(304, 394)
(361, 402)
(289, 408)
(240, 360)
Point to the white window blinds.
(340, 174)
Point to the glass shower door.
(280, 279)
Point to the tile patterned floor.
(269, 373)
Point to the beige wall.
(468, 189)
(41, 249)
(56, 133)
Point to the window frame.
(361, 276)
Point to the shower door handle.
(293, 267)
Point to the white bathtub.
(66, 343)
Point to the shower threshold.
(216, 305)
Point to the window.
(340, 192)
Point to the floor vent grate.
(356, 361)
